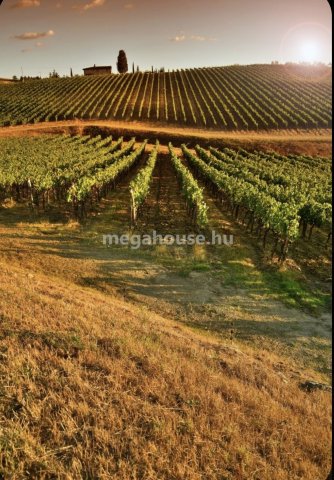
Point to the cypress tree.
(122, 62)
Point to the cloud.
(37, 45)
(198, 38)
(34, 35)
(178, 38)
(193, 38)
(129, 6)
(90, 5)
(26, 4)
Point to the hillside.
(95, 387)
(169, 363)
(165, 362)
(228, 98)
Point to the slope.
(248, 97)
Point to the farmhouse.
(105, 70)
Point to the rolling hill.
(249, 97)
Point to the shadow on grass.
(210, 277)
(231, 267)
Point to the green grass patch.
(294, 292)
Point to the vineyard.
(224, 98)
(280, 198)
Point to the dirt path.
(113, 214)
(164, 209)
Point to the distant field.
(6, 80)
(254, 97)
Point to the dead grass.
(92, 387)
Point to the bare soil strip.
(164, 209)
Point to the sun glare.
(309, 52)
(308, 42)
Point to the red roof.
(96, 68)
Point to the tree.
(133, 67)
(53, 74)
(122, 62)
(71, 73)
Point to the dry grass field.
(93, 386)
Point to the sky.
(38, 36)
